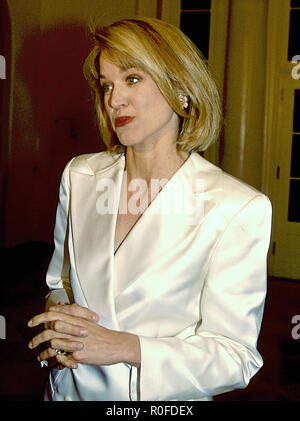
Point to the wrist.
(133, 350)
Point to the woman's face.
(139, 113)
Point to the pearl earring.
(183, 101)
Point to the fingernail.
(30, 345)
(83, 332)
(29, 323)
(79, 347)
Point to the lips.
(122, 121)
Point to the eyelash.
(131, 78)
(104, 86)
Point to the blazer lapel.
(173, 216)
(93, 221)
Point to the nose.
(117, 98)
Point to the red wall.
(53, 121)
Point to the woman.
(160, 257)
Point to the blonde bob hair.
(176, 66)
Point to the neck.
(154, 163)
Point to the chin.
(129, 142)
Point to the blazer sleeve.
(221, 353)
(57, 277)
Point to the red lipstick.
(122, 121)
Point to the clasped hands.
(74, 329)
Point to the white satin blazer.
(190, 283)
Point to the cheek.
(147, 97)
(155, 103)
(160, 103)
(108, 111)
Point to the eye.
(106, 88)
(133, 80)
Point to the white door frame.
(278, 75)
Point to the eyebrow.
(124, 71)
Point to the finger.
(78, 311)
(68, 346)
(61, 326)
(48, 325)
(50, 316)
(46, 354)
(63, 360)
(67, 361)
(47, 336)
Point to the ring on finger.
(60, 352)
